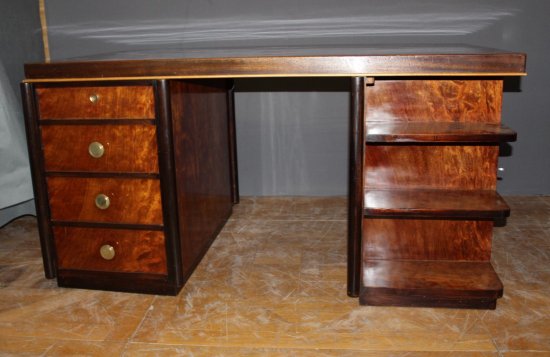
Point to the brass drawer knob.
(96, 149)
(107, 252)
(102, 201)
(94, 98)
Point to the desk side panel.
(202, 164)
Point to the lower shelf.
(455, 284)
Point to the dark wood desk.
(134, 167)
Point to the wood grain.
(36, 161)
(430, 180)
(429, 61)
(232, 132)
(435, 203)
(133, 201)
(436, 132)
(115, 102)
(426, 239)
(128, 148)
(135, 250)
(168, 185)
(143, 283)
(202, 164)
(435, 100)
(430, 283)
(431, 167)
(355, 184)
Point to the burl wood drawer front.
(113, 200)
(107, 148)
(116, 250)
(123, 102)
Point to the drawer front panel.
(123, 102)
(131, 201)
(132, 250)
(124, 148)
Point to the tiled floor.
(274, 284)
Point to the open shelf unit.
(430, 199)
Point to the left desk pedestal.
(133, 180)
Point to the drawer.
(115, 250)
(130, 201)
(108, 102)
(97, 148)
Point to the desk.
(134, 167)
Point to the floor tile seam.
(229, 346)
(147, 312)
(55, 340)
(48, 350)
(456, 339)
(481, 322)
(205, 330)
(294, 348)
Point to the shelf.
(435, 204)
(437, 132)
(430, 283)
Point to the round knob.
(107, 252)
(94, 98)
(96, 149)
(102, 201)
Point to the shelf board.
(437, 132)
(456, 284)
(418, 203)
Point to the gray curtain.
(15, 180)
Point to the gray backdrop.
(292, 134)
(20, 41)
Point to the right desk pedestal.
(429, 191)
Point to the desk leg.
(39, 180)
(355, 190)
(232, 131)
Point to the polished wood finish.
(365, 61)
(202, 166)
(431, 167)
(134, 201)
(113, 102)
(435, 203)
(426, 239)
(148, 206)
(430, 283)
(168, 184)
(437, 132)
(424, 141)
(143, 283)
(135, 250)
(430, 177)
(128, 148)
(36, 161)
(232, 132)
(355, 184)
(435, 100)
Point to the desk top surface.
(328, 61)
